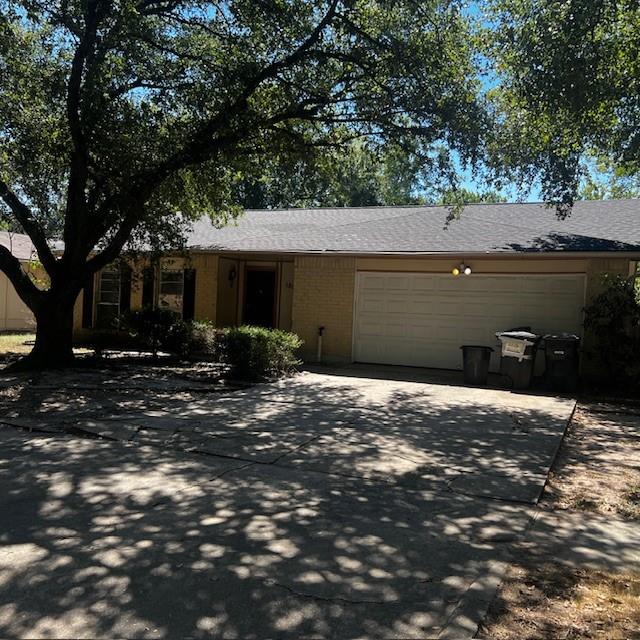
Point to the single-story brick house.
(14, 314)
(380, 279)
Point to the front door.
(259, 297)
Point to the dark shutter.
(125, 288)
(87, 303)
(189, 294)
(148, 286)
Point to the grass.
(20, 343)
(546, 602)
(630, 503)
(596, 470)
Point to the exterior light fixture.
(462, 268)
(232, 275)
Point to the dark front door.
(260, 297)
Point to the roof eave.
(632, 255)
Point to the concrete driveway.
(324, 506)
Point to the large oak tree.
(567, 91)
(121, 120)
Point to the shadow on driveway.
(318, 506)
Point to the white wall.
(14, 314)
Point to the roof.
(593, 226)
(19, 244)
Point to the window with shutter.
(171, 290)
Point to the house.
(380, 280)
(14, 314)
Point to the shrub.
(613, 320)
(256, 353)
(158, 329)
(203, 339)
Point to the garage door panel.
(422, 319)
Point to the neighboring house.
(379, 279)
(14, 314)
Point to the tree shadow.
(307, 507)
(569, 242)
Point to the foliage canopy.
(121, 120)
(568, 89)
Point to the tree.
(121, 121)
(604, 182)
(353, 176)
(462, 196)
(568, 88)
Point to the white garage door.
(423, 319)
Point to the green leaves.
(119, 118)
(569, 87)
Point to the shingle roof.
(593, 226)
(19, 244)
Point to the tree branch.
(115, 245)
(204, 143)
(79, 156)
(298, 54)
(22, 283)
(23, 215)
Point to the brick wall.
(323, 293)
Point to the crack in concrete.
(340, 600)
(294, 449)
(226, 471)
(31, 428)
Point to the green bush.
(256, 353)
(204, 339)
(158, 329)
(613, 321)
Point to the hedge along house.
(14, 314)
(380, 280)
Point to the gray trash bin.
(518, 355)
(562, 356)
(475, 361)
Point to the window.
(171, 290)
(108, 306)
(113, 295)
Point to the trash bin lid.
(518, 335)
(476, 346)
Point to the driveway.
(323, 505)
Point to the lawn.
(16, 343)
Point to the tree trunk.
(54, 334)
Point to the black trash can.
(518, 356)
(562, 360)
(475, 360)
